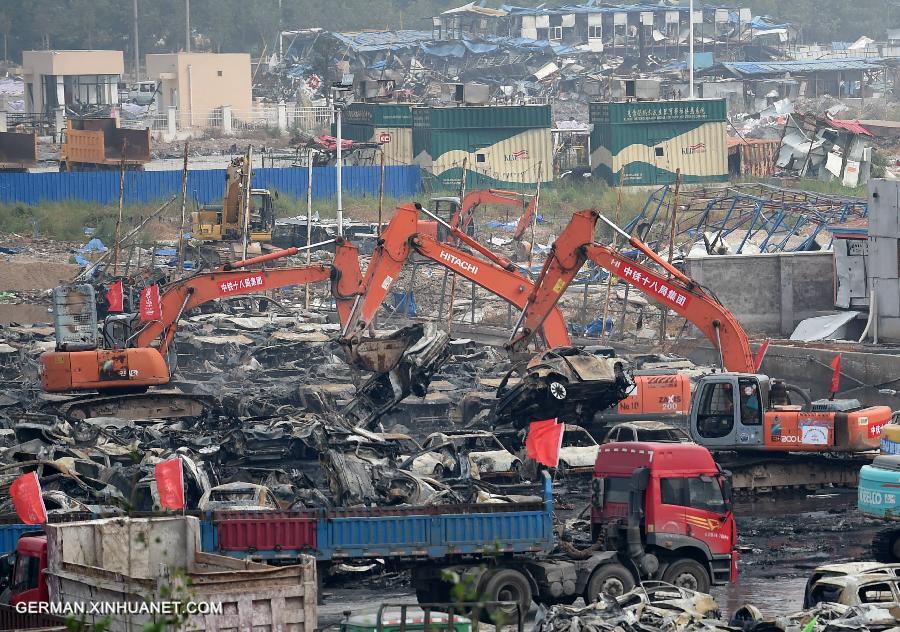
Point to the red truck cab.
(25, 579)
(667, 507)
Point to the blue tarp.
(405, 303)
(94, 245)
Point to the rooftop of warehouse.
(809, 65)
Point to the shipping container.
(389, 124)
(650, 140)
(506, 146)
(159, 559)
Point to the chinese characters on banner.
(667, 113)
(26, 496)
(151, 306)
(653, 286)
(235, 286)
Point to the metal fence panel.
(205, 185)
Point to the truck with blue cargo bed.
(658, 511)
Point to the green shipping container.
(507, 146)
(650, 140)
(387, 123)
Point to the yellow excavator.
(246, 215)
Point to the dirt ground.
(24, 274)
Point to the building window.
(480, 158)
(556, 32)
(595, 32)
(220, 73)
(659, 152)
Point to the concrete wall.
(884, 256)
(769, 293)
(199, 83)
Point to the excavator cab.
(728, 410)
(262, 215)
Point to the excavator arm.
(677, 292)
(231, 280)
(405, 361)
(496, 275)
(466, 211)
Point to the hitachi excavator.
(132, 356)
(453, 213)
(421, 354)
(738, 410)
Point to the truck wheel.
(611, 579)
(886, 545)
(506, 585)
(688, 574)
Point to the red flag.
(760, 354)
(836, 375)
(151, 309)
(170, 484)
(544, 441)
(115, 296)
(27, 499)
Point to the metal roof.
(368, 41)
(797, 66)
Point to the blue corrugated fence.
(102, 187)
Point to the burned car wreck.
(567, 383)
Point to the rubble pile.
(658, 607)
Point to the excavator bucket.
(403, 363)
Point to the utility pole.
(187, 26)
(137, 52)
(691, 49)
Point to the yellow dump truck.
(93, 144)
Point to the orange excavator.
(133, 356)
(405, 361)
(738, 410)
(453, 213)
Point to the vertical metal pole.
(184, 177)
(380, 194)
(309, 179)
(187, 26)
(691, 49)
(473, 303)
(121, 208)
(609, 278)
(248, 183)
(137, 53)
(664, 313)
(537, 202)
(340, 175)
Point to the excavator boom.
(675, 290)
(141, 362)
(466, 211)
(398, 241)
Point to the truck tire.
(612, 579)
(688, 573)
(886, 545)
(506, 584)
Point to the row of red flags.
(29, 503)
(150, 302)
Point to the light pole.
(339, 91)
(137, 54)
(187, 26)
(691, 49)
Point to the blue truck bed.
(383, 532)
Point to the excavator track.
(150, 405)
(761, 473)
(886, 545)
